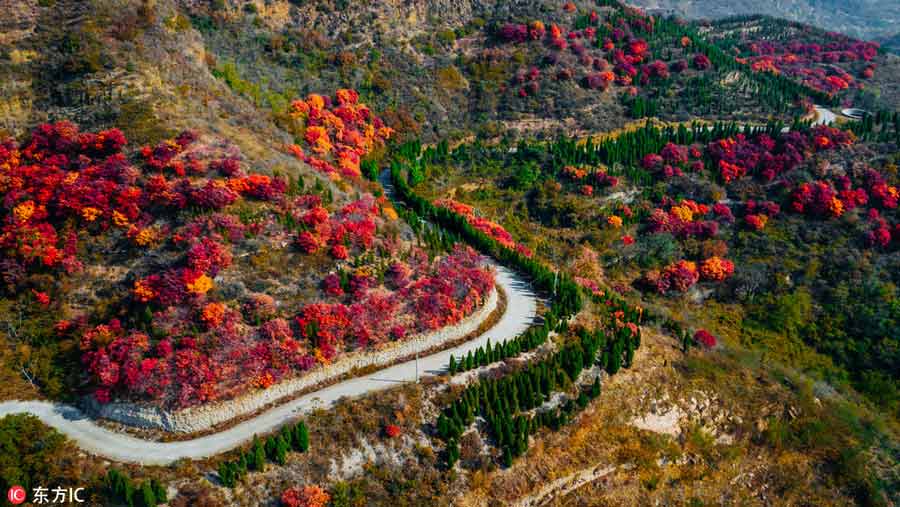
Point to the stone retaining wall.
(204, 417)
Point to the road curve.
(521, 310)
(824, 116)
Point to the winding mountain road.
(521, 310)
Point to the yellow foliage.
(201, 285)
(90, 214)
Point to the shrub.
(308, 496)
(705, 338)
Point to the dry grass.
(653, 469)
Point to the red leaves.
(444, 294)
(880, 236)
(512, 32)
(63, 177)
(723, 212)
(604, 179)
(484, 225)
(41, 297)
(392, 431)
(730, 172)
(209, 256)
(701, 62)
(308, 496)
(326, 326)
(590, 65)
(337, 135)
(656, 70)
(260, 186)
(213, 195)
(638, 48)
(651, 161)
(307, 242)
(315, 216)
(599, 80)
(812, 64)
(817, 199)
(736, 157)
(705, 338)
(339, 252)
(679, 276)
(674, 154)
(212, 314)
(332, 285)
(682, 220)
(756, 222)
(353, 227)
(716, 269)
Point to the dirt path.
(564, 485)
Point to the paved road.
(521, 310)
(824, 116)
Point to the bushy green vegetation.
(507, 402)
(31, 453)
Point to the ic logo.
(16, 495)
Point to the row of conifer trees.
(124, 491)
(508, 403)
(275, 448)
(532, 338)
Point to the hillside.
(867, 19)
(646, 260)
(891, 42)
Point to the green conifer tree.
(302, 437)
(147, 498)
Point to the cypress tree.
(629, 354)
(159, 491)
(271, 448)
(240, 467)
(114, 482)
(281, 450)
(582, 400)
(128, 491)
(226, 474)
(302, 436)
(595, 388)
(452, 367)
(615, 359)
(257, 458)
(147, 498)
(452, 453)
